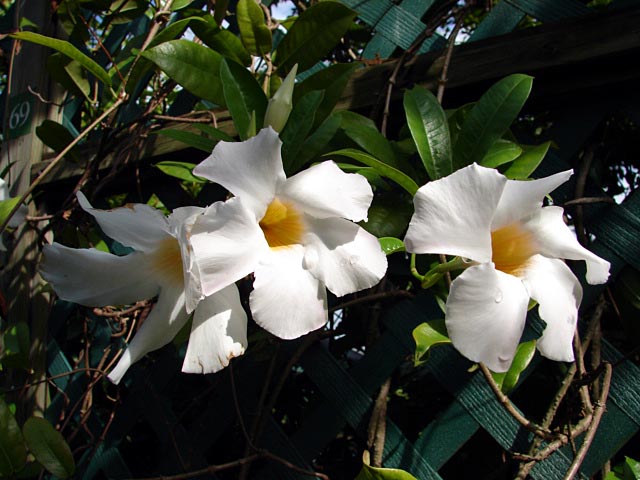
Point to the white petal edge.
(486, 313)
(522, 198)
(556, 240)
(324, 190)
(218, 332)
(227, 244)
(166, 319)
(251, 170)
(287, 300)
(558, 292)
(136, 225)
(94, 278)
(344, 256)
(453, 214)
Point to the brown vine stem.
(53, 377)
(593, 427)
(372, 298)
(521, 419)
(442, 82)
(378, 424)
(59, 157)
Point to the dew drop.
(354, 259)
(498, 296)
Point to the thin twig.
(372, 298)
(442, 81)
(378, 424)
(593, 427)
(588, 201)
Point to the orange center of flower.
(512, 247)
(282, 224)
(167, 260)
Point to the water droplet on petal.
(498, 297)
(354, 259)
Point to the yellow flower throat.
(512, 247)
(167, 260)
(282, 224)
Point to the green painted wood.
(551, 10)
(502, 18)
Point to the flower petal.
(218, 332)
(166, 319)
(137, 225)
(453, 214)
(227, 244)
(94, 278)
(344, 256)
(486, 312)
(552, 284)
(251, 170)
(181, 222)
(287, 300)
(556, 240)
(521, 198)
(324, 190)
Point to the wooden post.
(20, 150)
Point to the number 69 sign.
(20, 114)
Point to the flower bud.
(281, 103)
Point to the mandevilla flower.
(17, 218)
(296, 234)
(162, 266)
(516, 249)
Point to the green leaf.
(524, 354)
(193, 66)
(243, 96)
(527, 162)
(67, 49)
(382, 168)
(427, 335)
(180, 170)
(124, 11)
(501, 152)
(316, 31)
(221, 40)
(180, 4)
(430, 131)
(391, 245)
(387, 217)
(56, 136)
(69, 74)
(6, 206)
(332, 80)
(254, 32)
(213, 132)
(631, 469)
(49, 447)
(220, 10)
(315, 144)
(298, 127)
(192, 139)
(373, 473)
(490, 118)
(13, 453)
(16, 346)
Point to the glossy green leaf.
(427, 335)
(180, 170)
(387, 217)
(298, 127)
(382, 168)
(180, 4)
(524, 354)
(373, 473)
(430, 130)
(220, 10)
(6, 206)
(13, 453)
(316, 31)
(192, 139)
(69, 74)
(254, 32)
(243, 96)
(332, 80)
(124, 11)
(391, 245)
(213, 132)
(193, 66)
(456, 118)
(490, 118)
(49, 447)
(221, 40)
(16, 346)
(67, 49)
(501, 152)
(315, 144)
(527, 162)
(631, 469)
(57, 137)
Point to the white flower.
(296, 234)
(17, 218)
(162, 266)
(476, 213)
